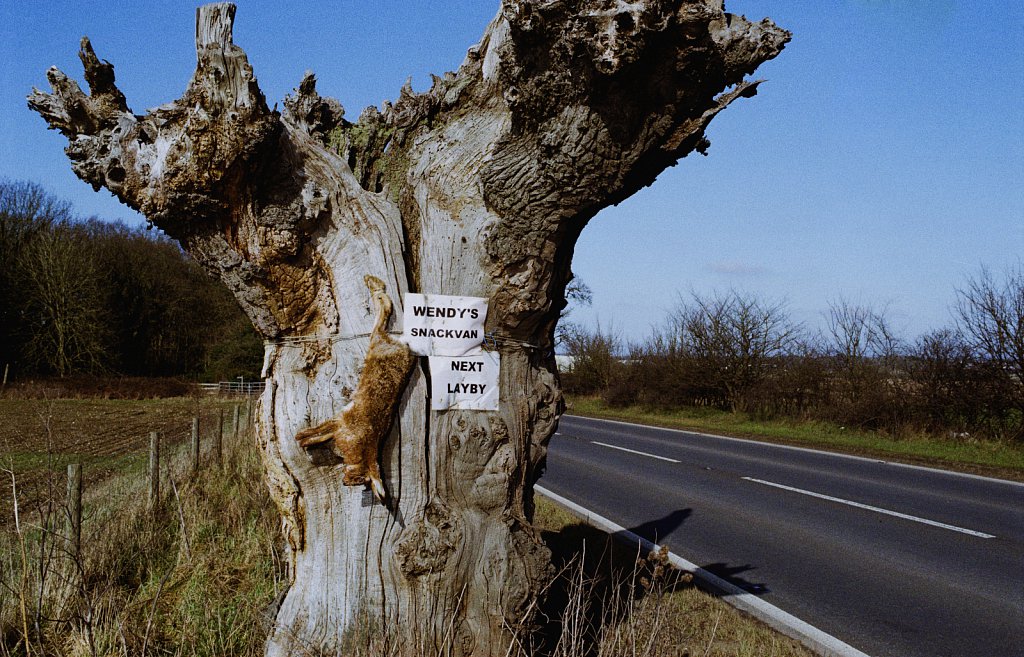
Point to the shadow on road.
(730, 574)
(658, 530)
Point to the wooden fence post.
(218, 441)
(237, 426)
(154, 470)
(75, 509)
(195, 446)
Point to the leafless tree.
(948, 391)
(865, 388)
(735, 338)
(577, 293)
(26, 210)
(61, 301)
(857, 332)
(990, 315)
(596, 356)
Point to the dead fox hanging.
(356, 432)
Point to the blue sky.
(883, 161)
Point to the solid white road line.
(788, 624)
(876, 509)
(633, 451)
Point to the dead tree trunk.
(478, 187)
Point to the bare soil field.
(39, 437)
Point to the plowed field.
(38, 438)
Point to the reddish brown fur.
(356, 433)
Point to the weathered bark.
(478, 187)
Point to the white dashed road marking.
(876, 509)
(633, 451)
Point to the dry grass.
(199, 577)
(193, 578)
(613, 602)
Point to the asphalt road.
(894, 560)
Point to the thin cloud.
(737, 268)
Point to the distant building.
(564, 362)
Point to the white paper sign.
(443, 325)
(465, 382)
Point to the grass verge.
(963, 454)
(193, 577)
(198, 576)
(614, 602)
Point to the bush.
(595, 359)
(735, 352)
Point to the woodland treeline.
(738, 352)
(84, 296)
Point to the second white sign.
(465, 382)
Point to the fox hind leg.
(318, 434)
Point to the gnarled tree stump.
(478, 187)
